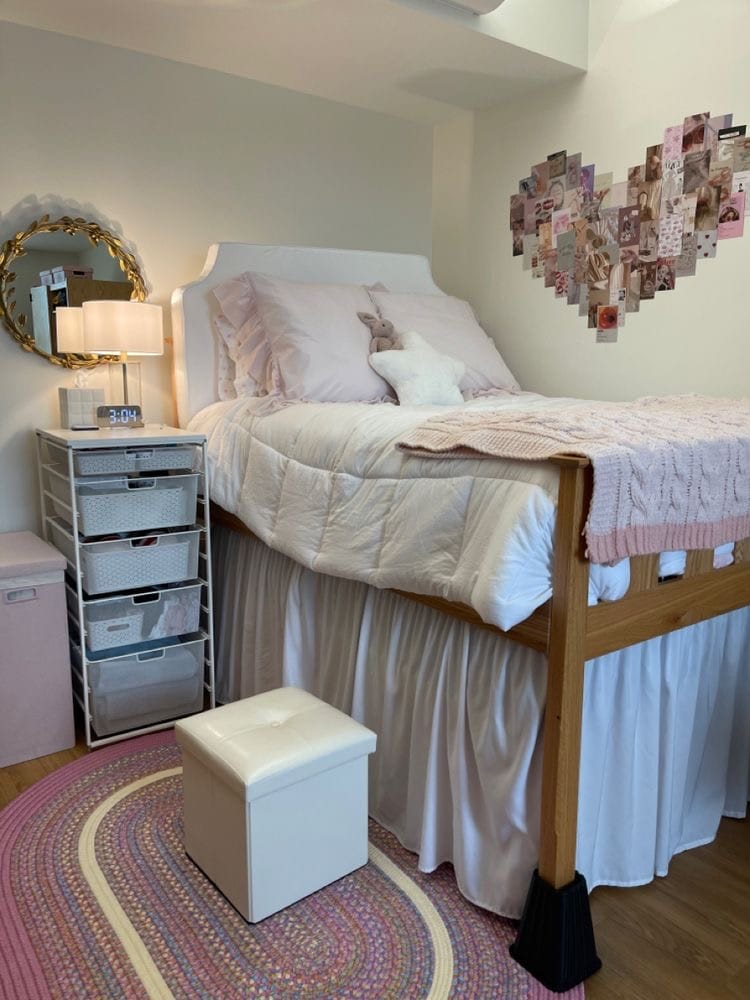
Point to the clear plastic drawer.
(141, 689)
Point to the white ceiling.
(417, 59)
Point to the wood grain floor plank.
(686, 936)
(18, 777)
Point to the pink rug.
(98, 899)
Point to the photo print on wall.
(606, 246)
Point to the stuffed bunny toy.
(382, 335)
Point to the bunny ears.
(383, 336)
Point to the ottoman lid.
(269, 741)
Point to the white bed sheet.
(325, 485)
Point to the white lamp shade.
(69, 330)
(111, 327)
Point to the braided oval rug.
(99, 900)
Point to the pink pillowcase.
(319, 347)
(450, 327)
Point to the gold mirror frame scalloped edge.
(14, 248)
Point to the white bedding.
(325, 485)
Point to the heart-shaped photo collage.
(606, 247)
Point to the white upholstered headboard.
(193, 306)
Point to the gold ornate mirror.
(61, 262)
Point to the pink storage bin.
(36, 697)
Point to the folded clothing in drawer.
(127, 692)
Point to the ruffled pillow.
(227, 372)
(240, 330)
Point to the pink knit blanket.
(670, 472)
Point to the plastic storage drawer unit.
(36, 699)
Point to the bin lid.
(22, 553)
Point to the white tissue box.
(78, 406)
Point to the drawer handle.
(139, 543)
(139, 453)
(145, 598)
(141, 484)
(117, 628)
(158, 654)
(20, 596)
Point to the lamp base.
(124, 377)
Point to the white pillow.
(450, 327)
(319, 346)
(419, 374)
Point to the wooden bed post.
(555, 939)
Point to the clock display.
(119, 416)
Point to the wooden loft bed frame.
(555, 941)
(556, 948)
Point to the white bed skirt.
(458, 711)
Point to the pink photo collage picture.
(606, 246)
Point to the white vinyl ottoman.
(275, 797)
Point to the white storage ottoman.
(275, 797)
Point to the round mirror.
(61, 262)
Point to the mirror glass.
(62, 270)
(61, 262)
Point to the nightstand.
(128, 508)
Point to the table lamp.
(69, 329)
(124, 328)
(78, 406)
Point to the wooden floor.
(686, 937)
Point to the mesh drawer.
(113, 460)
(124, 621)
(144, 688)
(136, 504)
(139, 562)
(106, 506)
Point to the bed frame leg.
(555, 940)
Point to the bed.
(459, 672)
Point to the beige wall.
(177, 158)
(647, 73)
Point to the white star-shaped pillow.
(419, 374)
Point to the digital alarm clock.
(125, 415)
